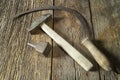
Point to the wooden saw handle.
(100, 58)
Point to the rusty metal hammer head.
(35, 27)
(42, 47)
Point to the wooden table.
(21, 62)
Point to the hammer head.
(35, 27)
(41, 47)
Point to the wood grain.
(105, 18)
(68, 26)
(18, 61)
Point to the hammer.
(100, 58)
(76, 55)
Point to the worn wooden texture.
(68, 26)
(17, 60)
(20, 62)
(105, 18)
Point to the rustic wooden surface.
(20, 62)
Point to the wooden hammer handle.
(100, 58)
(75, 54)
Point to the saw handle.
(100, 58)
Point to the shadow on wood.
(113, 60)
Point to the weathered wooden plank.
(64, 68)
(63, 65)
(5, 31)
(17, 60)
(105, 18)
(43, 64)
